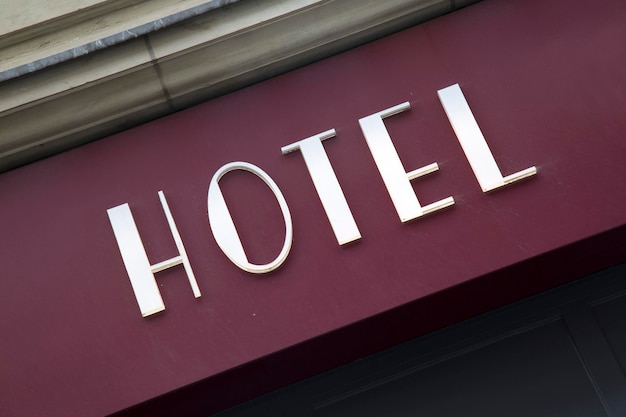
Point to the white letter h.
(140, 271)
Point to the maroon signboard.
(545, 81)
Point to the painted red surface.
(546, 82)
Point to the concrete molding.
(86, 30)
(84, 99)
(260, 50)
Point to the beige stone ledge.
(61, 30)
(73, 103)
(239, 53)
(20, 17)
(70, 77)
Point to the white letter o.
(223, 227)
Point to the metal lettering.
(473, 142)
(396, 179)
(223, 227)
(140, 271)
(327, 185)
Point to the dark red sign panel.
(545, 82)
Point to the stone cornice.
(69, 103)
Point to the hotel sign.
(394, 176)
(322, 215)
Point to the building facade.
(314, 208)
